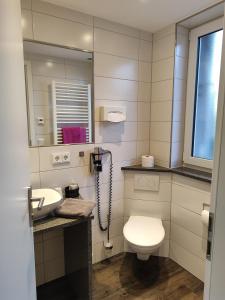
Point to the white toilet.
(144, 235)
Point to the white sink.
(51, 200)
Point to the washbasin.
(44, 201)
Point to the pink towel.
(74, 135)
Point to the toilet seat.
(144, 231)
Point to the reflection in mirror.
(59, 94)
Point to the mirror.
(59, 94)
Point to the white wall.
(122, 75)
(188, 234)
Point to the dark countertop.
(183, 171)
(52, 223)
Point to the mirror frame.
(92, 94)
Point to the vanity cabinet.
(77, 283)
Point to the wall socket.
(59, 158)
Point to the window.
(202, 93)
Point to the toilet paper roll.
(205, 217)
(147, 161)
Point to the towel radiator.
(71, 107)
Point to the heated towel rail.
(71, 108)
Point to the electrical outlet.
(65, 157)
(56, 158)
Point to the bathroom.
(138, 104)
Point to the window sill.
(183, 171)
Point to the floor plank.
(125, 277)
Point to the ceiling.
(150, 15)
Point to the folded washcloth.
(72, 208)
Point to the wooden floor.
(124, 277)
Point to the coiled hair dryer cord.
(99, 197)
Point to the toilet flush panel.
(146, 182)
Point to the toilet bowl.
(144, 235)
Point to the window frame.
(191, 88)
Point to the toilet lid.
(144, 231)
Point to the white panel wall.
(149, 203)
(188, 234)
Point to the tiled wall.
(149, 203)
(162, 95)
(188, 234)
(42, 75)
(179, 96)
(122, 75)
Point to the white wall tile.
(144, 71)
(144, 91)
(62, 32)
(191, 199)
(182, 45)
(169, 30)
(34, 159)
(188, 261)
(160, 150)
(142, 148)
(116, 27)
(115, 44)
(177, 132)
(35, 180)
(144, 111)
(147, 208)
(160, 131)
(26, 24)
(142, 131)
(61, 12)
(162, 70)
(180, 89)
(41, 68)
(189, 241)
(162, 90)
(188, 220)
(180, 70)
(115, 89)
(63, 177)
(192, 183)
(115, 67)
(161, 111)
(115, 132)
(145, 51)
(164, 48)
(78, 71)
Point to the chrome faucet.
(35, 199)
(40, 200)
